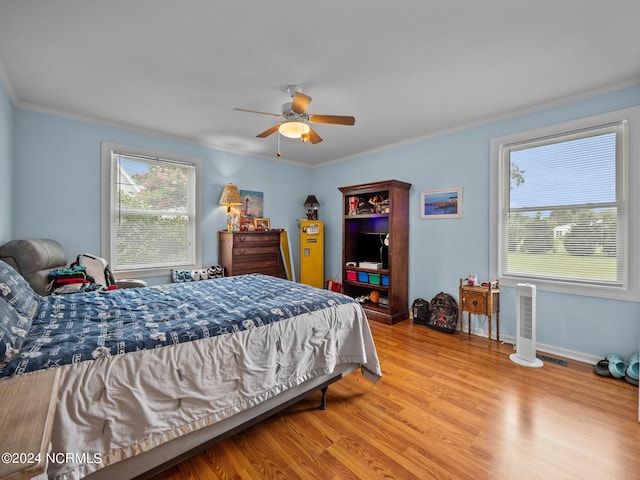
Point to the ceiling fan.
(296, 118)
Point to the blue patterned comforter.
(86, 326)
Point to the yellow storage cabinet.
(312, 253)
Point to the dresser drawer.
(474, 302)
(266, 267)
(244, 250)
(256, 238)
(265, 270)
(250, 261)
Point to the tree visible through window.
(152, 212)
(563, 207)
(564, 204)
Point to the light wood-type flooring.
(447, 407)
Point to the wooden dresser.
(251, 252)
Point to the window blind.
(152, 212)
(564, 207)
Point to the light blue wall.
(58, 182)
(442, 251)
(6, 166)
(56, 163)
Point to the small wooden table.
(26, 419)
(481, 300)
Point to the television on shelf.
(371, 249)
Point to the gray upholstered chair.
(34, 259)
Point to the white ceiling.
(405, 69)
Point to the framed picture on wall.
(441, 203)
(252, 204)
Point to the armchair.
(35, 258)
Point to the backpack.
(420, 311)
(98, 268)
(443, 313)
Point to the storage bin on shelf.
(363, 277)
(374, 278)
(352, 275)
(385, 280)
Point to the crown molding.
(633, 82)
(4, 78)
(8, 85)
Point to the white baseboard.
(541, 347)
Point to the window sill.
(149, 272)
(576, 288)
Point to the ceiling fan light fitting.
(294, 129)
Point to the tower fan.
(526, 327)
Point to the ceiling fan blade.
(335, 119)
(313, 136)
(269, 131)
(300, 103)
(256, 111)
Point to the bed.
(151, 375)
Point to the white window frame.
(499, 179)
(106, 214)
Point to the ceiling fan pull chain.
(278, 154)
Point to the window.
(150, 211)
(563, 207)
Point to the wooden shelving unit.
(378, 208)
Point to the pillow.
(13, 329)
(17, 292)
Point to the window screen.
(563, 208)
(152, 212)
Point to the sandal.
(617, 365)
(602, 368)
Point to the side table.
(481, 300)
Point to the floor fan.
(526, 327)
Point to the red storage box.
(351, 275)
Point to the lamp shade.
(293, 129)
(311, 201)
(230, 196)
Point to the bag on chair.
(98, 268)
(71, 279)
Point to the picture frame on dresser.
(262, 223)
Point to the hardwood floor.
(447, 407)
